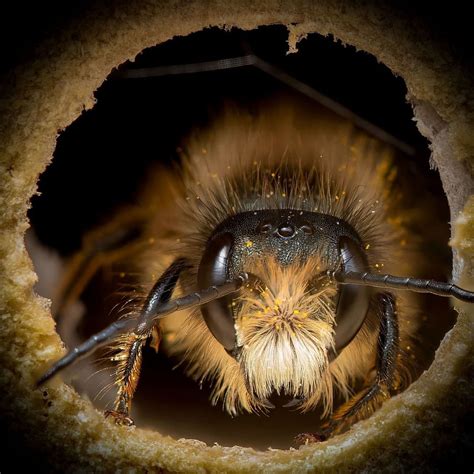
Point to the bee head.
(293, 320)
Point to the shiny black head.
(288, 236)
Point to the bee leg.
(126, 378)
(101, 247)
(365, 402)
(130, 345)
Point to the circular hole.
(103, 161)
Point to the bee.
(276, 242)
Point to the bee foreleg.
(365, 402)
(130, 345)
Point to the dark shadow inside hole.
(102, 159)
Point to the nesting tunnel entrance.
(49, 93)
(142, 115)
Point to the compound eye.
(354, 300)
(213, 270)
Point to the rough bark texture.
(47, 94)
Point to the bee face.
(291, 311)
(284, 316)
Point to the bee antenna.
(88, 346)
(403, 283)
(125, 325)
